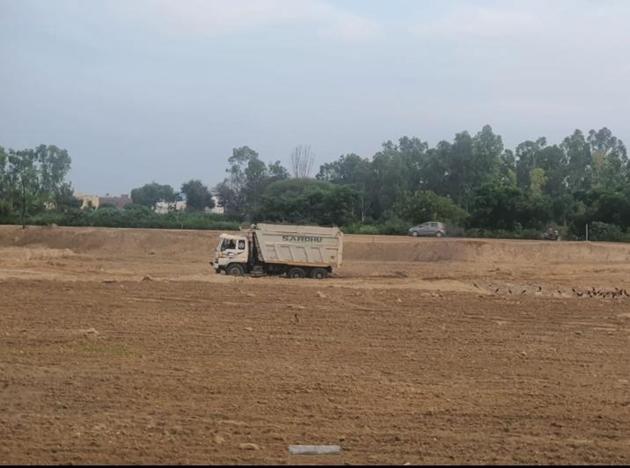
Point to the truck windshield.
(228, 244)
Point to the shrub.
(599, 231)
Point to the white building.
(166, 207)
(88, 200)
(217, 209)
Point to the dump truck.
(274, 249)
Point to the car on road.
(431, 229)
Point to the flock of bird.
(593, 292)
(589, 292)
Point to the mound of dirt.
(106, 241)
(189, 243)
(400, 249)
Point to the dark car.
(432, 229)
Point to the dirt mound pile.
(105, 241)
(196, 244)
(401, 249)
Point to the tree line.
(472, 183)
(34, 190)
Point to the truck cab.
(232, 251)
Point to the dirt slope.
(368, 248)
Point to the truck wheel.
(319, 273)
(235, 270)
(296, 273)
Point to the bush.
(599, 231)
(358, 228)
(5, 209)
(392, 226)
(503, 233)
(135, 217)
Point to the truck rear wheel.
(319, 273)
(235, 270)
(296, 273)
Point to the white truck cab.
(231, 249)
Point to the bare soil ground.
(121, 346)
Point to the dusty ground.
(122, 346)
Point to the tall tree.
(198, 197)
(32, 179)
(579, 162)
(5, 206)
(353, 171)
(424, 205)
(302, 159)
(307, 201)
(610, 159)
(240, 192)
(150, 194)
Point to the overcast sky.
(143, 90)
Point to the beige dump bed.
(300, 245)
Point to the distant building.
(95, 201)
(217, 209)
(118, 202)
(166, 207)
(87, 200)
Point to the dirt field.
(121, 346)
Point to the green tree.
(32, 179)
(424, 205)
(65, 199)
(197, 196)
(307, 201)
(495, 206)
(610, 159)
(54, 165)
(353, 171)
(24, 180)
(537, 180)
(240, 192)
(579, 162)
(457, 169)
(5, 205)
(150, 194)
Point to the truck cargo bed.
(309, 246)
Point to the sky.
(163, 90)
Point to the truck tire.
(296, 273)
(235, 270)
(318, 273)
